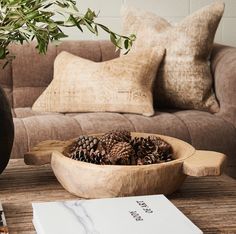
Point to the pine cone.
(121, 154)
(163, 149)
(108, 140)
(151, 159)
(91, 156)
(82, 143)
(142, 146)
(70, 151)
(97, 157)
(87, 142)
(148, 159)
(139, 161)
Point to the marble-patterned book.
(3, 223)
(128, 215)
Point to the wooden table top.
(210, 202)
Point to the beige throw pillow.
(184, 79)
(120, 85)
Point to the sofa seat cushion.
(202, 129)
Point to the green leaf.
(5, 64)
(132, 37)
(113, 39)
(119, 43)
(48, 5)
(126, 52)
(126, 44)
(32, 15)
(96, 30)
(52, 25)
(104, 27)
(2, 52)
(89, 26)
(90, 15)
(77, 23)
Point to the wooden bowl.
(98, 181)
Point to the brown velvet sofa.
(30, 73)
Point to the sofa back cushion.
(30, 73)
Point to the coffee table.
(210, 202)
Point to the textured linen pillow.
(120, 85)
(184, 79)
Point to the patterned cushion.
(184, 79)
(120, 85)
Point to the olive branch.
(43, 20)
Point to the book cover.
(128, 215)
(3, 223)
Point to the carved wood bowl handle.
(204, 163)
(41, 153)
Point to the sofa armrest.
(223, 66)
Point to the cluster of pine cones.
(119, 148)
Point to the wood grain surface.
(210, 202)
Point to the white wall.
(173, 10)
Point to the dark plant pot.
(6, 130)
